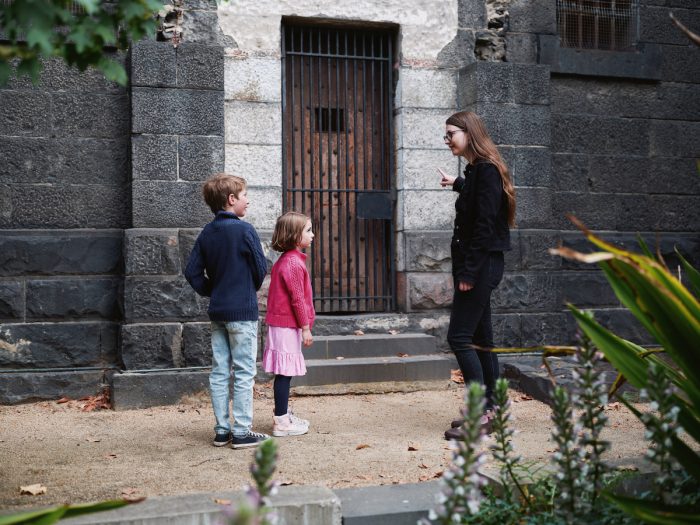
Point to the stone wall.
(64, 201)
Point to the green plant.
(53, 514)
(78, 31)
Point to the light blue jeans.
(233, 345)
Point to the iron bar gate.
(338, 162)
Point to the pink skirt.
(282, 353)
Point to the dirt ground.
(354, 440)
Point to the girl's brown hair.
(288, 231)
(480, 146)
(218, 187)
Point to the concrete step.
(370, 345)
(376, 369)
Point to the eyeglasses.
(447, 137)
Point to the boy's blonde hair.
(218, 187)
(288, 231)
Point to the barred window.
(598, 24)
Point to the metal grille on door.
(338, 160)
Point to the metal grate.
(338, 164)
(598, 24)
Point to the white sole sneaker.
(290, 432)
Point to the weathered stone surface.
(154, 157)
(72, 206)
(25, 114)
(186, 242)
(196, 344)
(90, 298)
(162, 299)
(527, 125)
(526, 292)
(533, 207)
(570, 172)
(253, 79)
(65, 161)
(597, 211)
(60, 252)
(265, 207)
(428, 251)
(506, 330)
(421, 128)
(153, 64)
(92, 115)
(56, 345)
(677, 101)
(622, 323)
(529, 165)
(259, 165)
(533, 248)
(427, 88)
(430, 290)
(504, 82)
(472, 14)
(528, 16)
(184, 206)
(11, 300)
(151, 252)
(200, 157)
(147, 346)
(202, 27)
(177, 111)
(654, 26)
(425, 209)
(585, 289)
(263, 123)
(23, 387)
(200, 66)
(134, 390)
(521, 48)
(609, 97)
(558, 328)
(417, 168)
(460, 51)
(56, 75)
(674, 139)
(680, 63)
(600, 135)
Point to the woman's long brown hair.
(481, 147)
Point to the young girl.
(485, 212)
(290, 316)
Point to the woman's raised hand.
(446, 180)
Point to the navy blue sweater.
(229, 250)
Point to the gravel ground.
(355, 440)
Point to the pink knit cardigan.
(290, 299)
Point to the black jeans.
(470, 327)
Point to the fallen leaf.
(33, 490)
(423, 465)
(93, 440)
(286, 483)
(110, 456)
(424, 477)
(129, 491)
(360, 447)
(220, 501)
(438, 474)
(412, 448)
(525, 397)
(402, 354)
(359, 332)
(393, 332)
(456, 376)
(340, 357)
(63, 400)
(362, 476)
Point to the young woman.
(485, 212)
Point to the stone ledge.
(23, 387)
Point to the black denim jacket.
(481, 222)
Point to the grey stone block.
(533, 16)
(151, 346)
(11, 300)
(600, 135)
(459, 52)
(91, 298)
(25, 113)
(202, 27)
(656, 26)
(429, 290)
(623, 324)
(92, 115)
(506, 330)
(585, 289)
(151, 252)
(504, 82)
(533, 207)
(428, 251)
(512, 257)
(184, 206)
(24, 387)
(668, 213)
(200, 157)
(570, 172)
(388, 504)
(674, 139)
(680, 63)
(154, 157)
(72, 206)
(187, 240)
(515, 124)
(132, 390)
(65, 161)
(471, 14)
(521, 48)
(528, 166)
(200, 66)
(153, 64)
(597, 211)
(148, 299)
(677, 101)
(196, 344)
(60, 252)
(525, 292)
(548, 328)
(177, 111)
(370, 345)
(533, 248)
(57, 345)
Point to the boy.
(229, 250)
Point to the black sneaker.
(222, 439)
(250, 439)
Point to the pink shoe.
(286, 426)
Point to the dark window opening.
(611, 25)
(332, 120)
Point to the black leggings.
(470, 327)
(281, 389)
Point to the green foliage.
(53, 514)
(76, 31)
